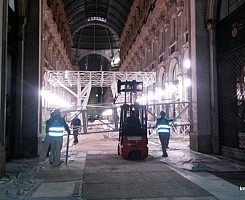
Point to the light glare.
(107, 112)
(53, 99)
(187, 63)
(187, 82)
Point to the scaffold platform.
(73, 81)
(98, 78)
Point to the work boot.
(165, 155)
(75, 141)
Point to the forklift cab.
(133, 132)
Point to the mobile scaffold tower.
(73, 81)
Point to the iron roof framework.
(96, 24)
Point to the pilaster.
(211, 27)
(200, 136)
(2, 96)
(32, 82)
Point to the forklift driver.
(133, 121)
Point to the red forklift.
(133, 139)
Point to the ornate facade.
(56, 45)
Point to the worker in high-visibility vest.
(56, 127)
(163, 129)
(45, 152)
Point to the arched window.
(162, 41)
(163, 78)
(175, 72)
(173, 30)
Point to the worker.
(133, 121)
(163, 129)
(56, 127)
(76, 125)
(46, 146)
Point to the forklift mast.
(131, 87)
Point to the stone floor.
(95, 171)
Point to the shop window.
(228, 6)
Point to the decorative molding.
(57, 41)
(180, 7)
(151, 28)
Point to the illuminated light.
(107, 112)
(159, 93)
(142, 99)
(66, 74)
(187, 82)
(53, 99)
(101, 19)
(187, 63)
(150, 96)
(170, 89)
(117, 60)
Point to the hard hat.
(55, 112)
(162, 113)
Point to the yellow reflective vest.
(163, 126)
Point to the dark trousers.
(168, 140)
(75, 134)
(55, 153)
(164, 138)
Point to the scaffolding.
(177, 111)
(73, 81)
(79, 84)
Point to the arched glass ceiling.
(97, 24)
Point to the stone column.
(31, 118)
(200, 136)
(3, 48)
(211, 27)
(19, 83)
